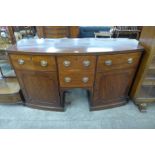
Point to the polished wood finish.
(118, 61)
(39, 82)
(37, 63)
(76, 46)
(77, 79)
(112, 87)
(76, 63)
(27, 61)
(40, 89)
(142, 91)
(78, 69)
(33, 62)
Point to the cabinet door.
(111, 88)
(39, 88)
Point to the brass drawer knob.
(43, 63)
(67, 63)
(85, 79)
(67, 79)
(108, 62)
(130, 61)
(86, 63)
(21, 61)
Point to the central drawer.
(76, 79)
(76, 63)
(76, 71)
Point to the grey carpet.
(77, 115)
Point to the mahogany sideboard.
(47, 68)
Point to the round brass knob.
(130, 61)
(86, 63)
(85, 79)
(21, 61)
(67, 63)
(43, 63)
(67, 79)
(108, 62)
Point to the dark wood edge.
(72, 54)
(14, 95)
(57, 73)
(136, 72)
(21, 93)
(93, 108)
(11, 103)
(57, 109)
(84, 87)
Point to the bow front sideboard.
(47, 68)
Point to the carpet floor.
(77, 115)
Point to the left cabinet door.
(40, 89)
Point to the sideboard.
(47, 68)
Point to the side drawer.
(118, 61)
(21, 61)
(43, 63)
(33, 62)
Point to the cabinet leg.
(142, 107)
(66, 93)
(63, 94)
(90, 97)
(62, 98)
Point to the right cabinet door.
(111, 88)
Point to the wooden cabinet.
(112, 87)
(39, 82)
(114, 77)
(48, 68)
(143, 90)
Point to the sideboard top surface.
(75, 45)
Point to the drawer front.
(21, 61)
(76, 63)
(118, 61)
(35, 62)
(76, 79)
(42, 63)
